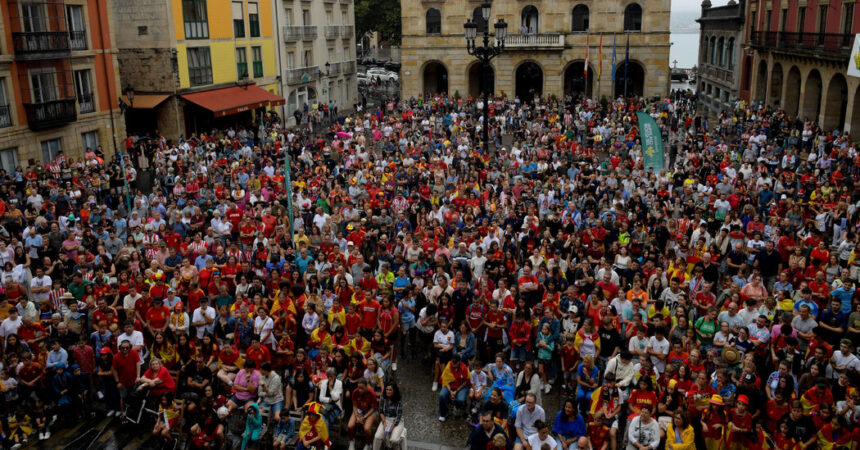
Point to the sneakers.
(547, 388)
(16, 446)
(394, 367)
(110, 413)
(41, 436)
(47, 435)
(435, 386)
(441, 418)
(100, 395)
(351, 445)
(366, 446)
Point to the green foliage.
(380, 16)
(457, 95)
(603, 101)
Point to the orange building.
(58, 81)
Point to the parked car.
(380, 74)
(393, 66)
(680, 75)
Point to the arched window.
(705, 45)
(633, 17)
(434, 21)
(579, 18)
(721, 52)
(530, 20)
(478, 19)
(730, 53)
(713, 51)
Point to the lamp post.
(129, 94)
(485, 53)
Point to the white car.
(380, 74)
(362, 78)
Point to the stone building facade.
(58, 81)
(545, 49)
(720, 39)
(796, 56)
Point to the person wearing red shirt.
(369, 311)
(125, 368)
(257, 354)
(363, 412)
(157, 316)
(234, 215)
(820, 290)
(610, 289)
(157, 379)
(368, 282)
(353, 319)
(740, 424)
(642, 397)
(159, 289)
(31, 332)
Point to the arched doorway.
(529, 81)
(478, 76)
(776, 85)
(855, 116)
(575, 82)
(529, 20)
(435, 78)
(836, 104)
(629, 81)
(761, 83)
(812, 98)
(792, 91)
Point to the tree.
(380, 16)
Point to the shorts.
(124, 391)
(273, 407)
(444, 357)
(282, 438)
(519, 353)
(239, 403)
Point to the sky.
(693, 5)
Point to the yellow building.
(545, 49)
(196, 64)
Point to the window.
(90, 140)
(257, 54)
(801, 18)
(84, 91)
(783, 17)
(847, 18)
(254, 19)
(822, 19)
(306, 17)
(713, 51)
(309, 58)
(9, 159)
(44, 87)
(238, 20)
(344, 17)
(291, 60)
(329, 17)
(768, 16)
(196, 19)
(32, 17)
(5, 109)
(288, 17)
(199, 66)
(633, 17)
(579, 19)
(241, 63)
(478, 19)
(730, 53)
(77, 33)
(434, 21)
(529, 20)
(331, 53)
(51, 149)
(721, 52)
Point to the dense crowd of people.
(709, 304)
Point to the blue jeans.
(445, 399)
(573, 446)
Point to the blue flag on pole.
(613, 58)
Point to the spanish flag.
(313, 423)
(448, 375)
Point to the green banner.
(652, 142)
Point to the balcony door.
(77, 32)
(44, 87)
(33, 17)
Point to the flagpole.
(626, 63)
(599, 65)
(585, 70)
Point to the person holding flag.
(455, 385)
(313, 432)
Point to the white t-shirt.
(199, 316)
(446, 339)
(9, 327)
(36, 282)
(661, 347)
(536, 443)
(136, 339)
(128, 301)
(263, 327)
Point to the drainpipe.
(278, 49)
(105, 54)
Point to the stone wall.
(143, 23)
(148, 69)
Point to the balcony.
(78, 40)
(347, 31)
(51, 113)
(309, 32)
(332, 31)
(346, 2)
(292, 33)
(535, 41)
(829, 46)
(86, 103)
(41, 45)
(348, 67)
(303, 75)
(5, 116)
(334, 69)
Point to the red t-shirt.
(369, 310)
(126, 367)
(167, 383)
(158, 316)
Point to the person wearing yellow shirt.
(680, 435)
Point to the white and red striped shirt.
(56, 296)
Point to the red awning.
(232, 100)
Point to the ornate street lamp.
(485, 53)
